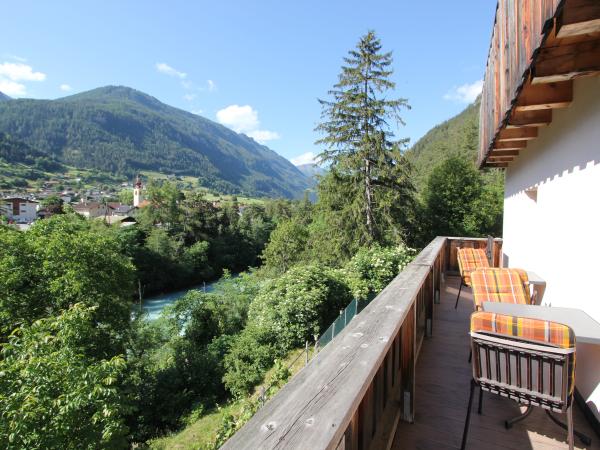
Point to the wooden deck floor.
(442, 392)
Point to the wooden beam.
(565, 62)
(578, 17)
(494, 159)
(517, 134)
(536, 118)
(545, 96)
(509, 145)
(496, 152)
(496, 164)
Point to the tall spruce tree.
(360, 145)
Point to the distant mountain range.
(121, 130)
(311, 170)
(4, 97)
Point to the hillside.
(123, 131)
(456, 136)
(4, 97)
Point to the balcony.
(397, 377)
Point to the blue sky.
(256, 66)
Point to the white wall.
(558, 235)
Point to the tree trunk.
(369, 199)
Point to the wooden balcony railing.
(354, 392)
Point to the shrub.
(372, 269)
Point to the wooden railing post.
(407, 365)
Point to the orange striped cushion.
(470, 259)
(535, 330)
(499, 285)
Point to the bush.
(298, 305)
(372, 269)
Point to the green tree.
(59, 262)
(459, 203)
(358, 137)
(53, 203)
(285, 246)
(54, 397)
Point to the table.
(538, 285)
(586, 329)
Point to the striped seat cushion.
(470, 259)
(533, 330)
(537, 331)
(499, 285)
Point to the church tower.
(137, 192)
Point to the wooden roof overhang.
(538, 47)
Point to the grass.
(203, 431)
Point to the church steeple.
(137, 191)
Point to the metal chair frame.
(530, 373)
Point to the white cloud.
(20, 72)
(16, 58)
(304, 158)
(168, 70)
(211, 85)
(240, 119)
(465, 93)
(263, 136)
(189, 97)
(12, 88)
(244, 119)
(65, 88)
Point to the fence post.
(262, 395)
(316, 343)
(306, 346)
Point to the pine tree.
(358, 137)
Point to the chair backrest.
(470, 259)
(499, 285)
(531, 361)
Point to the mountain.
(457, 136)
(4, 97)
(311, 170)
(121, 130)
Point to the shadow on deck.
(442, 391)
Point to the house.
(397, 376)
(120, 210)
(91, 209)
(19, 209)
(540, 123)
(122, 221)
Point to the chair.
(469, 259)
(531, 361)
(499, 285)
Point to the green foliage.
(372, 269)
(459, 203)
(120, 130)
(54, 397)
(285, 246)
(57, 263)
(367, 165)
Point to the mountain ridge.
(4, 97)
(122, 130)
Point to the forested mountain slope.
(121, 130)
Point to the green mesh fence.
(343, 319)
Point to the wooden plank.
(315, 408)
(493, 159)
(408, 360)
(544, 96)
(566, 62)
(495, 164)
(517, 134)
(578, 17)
(535, 118)
(496, 152)
(509, 145)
